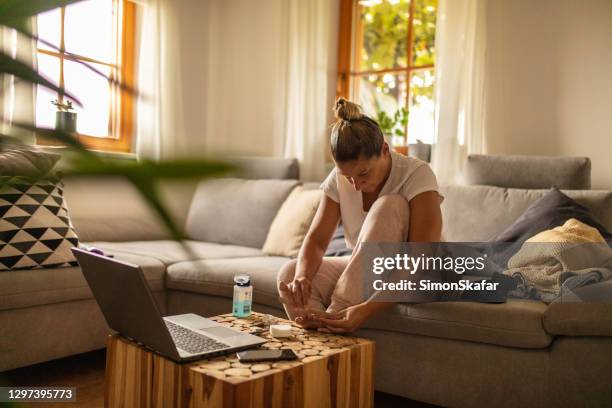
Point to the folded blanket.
(547, 259)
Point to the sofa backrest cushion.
(111, 209)
(236, 211)
(480, 213)
(533, 172)
(257, 168)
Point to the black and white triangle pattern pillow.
(35, 230)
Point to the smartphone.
(249, 356)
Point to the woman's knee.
(391, 203)
(287, 272)
(387, 220)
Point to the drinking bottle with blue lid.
(243, 295)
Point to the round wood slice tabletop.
(308, 345)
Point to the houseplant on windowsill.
(64, 119)
(394, 129)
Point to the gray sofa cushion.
(590, 318)
(110, 209)
(236, 211)
(480, 213)
(19, 289)
(255, 168)
(572, 173)
(169, 252)
(513, 324)
(216, 277)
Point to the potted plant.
(65, 120)
(394, 129)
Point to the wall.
(192, 53)
(244, 39)
(550, 80)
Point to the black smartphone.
(250, 356)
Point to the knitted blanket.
(546, 260)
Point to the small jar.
(243, 295)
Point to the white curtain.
(459, 86)
(238, 77)
(160, 133)
(307, 89)
(17, 97)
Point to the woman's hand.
(345, 321)
(297, 291)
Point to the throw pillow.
(551, 210)
(21, 161)
(35, 229)
(236, 211)
(292, 222)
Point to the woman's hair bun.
(347, 110)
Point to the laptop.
(128, 306)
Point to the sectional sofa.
(520, 353)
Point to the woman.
(380, 196)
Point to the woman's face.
(366, 175)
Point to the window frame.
(349, 46)
(122, 107)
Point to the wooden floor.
(86, 373)
(83, 371)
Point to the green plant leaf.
(58, 135)
(141, 174)
(148, 190)
(17, 17)
(13, 12)
(10, 140)
(17, 68)
(384, 121)
(171, 169)
(74, 58)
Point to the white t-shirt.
(409, 177)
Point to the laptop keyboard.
(191, 341)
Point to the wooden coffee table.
(332, 371)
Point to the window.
(101, 34)
(387, 57)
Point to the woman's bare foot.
(310, 319)
(304, 317)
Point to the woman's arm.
(318, 237)
(425, 218)
(313, 248)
